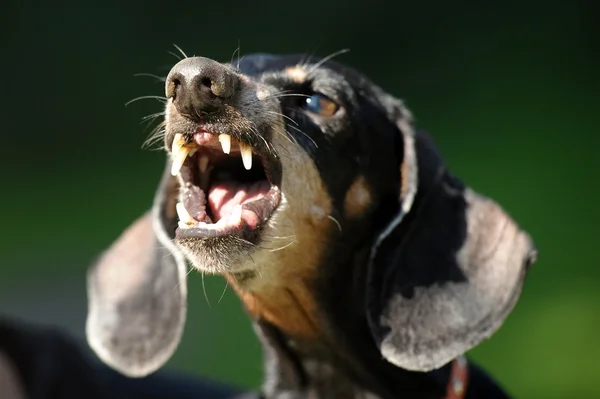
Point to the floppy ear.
(137, 293)
(448, 269)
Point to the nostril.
(206, 82)
(176, 82)
(172, 88)
(206, 86)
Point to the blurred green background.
(510, 91)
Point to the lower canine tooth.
(225, 141)
(184, 215)
(182, 225)
(246, 151)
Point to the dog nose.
(200, 86)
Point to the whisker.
(305, 135)
(245, 241)
(175, 55)
(288, 137)
(204, 289)
(156, 135)
(267, 145)
(239, 54)
(186, 274)
(283, 247)
(258, 271)
(281, 237)
(180, 50)
(153, 116)
(335, 221)
(281, 95)
(159, 98)
(283, 116)
(305, 60)
(150, 75)
(237, 50)
(224, 289)
(155, 144)
(190, 270)
(325, 59)
(235, 278)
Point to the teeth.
(179, 153)
(203, 163)
(215, 226)
(225, 141)
(204, 175)
(246, 151)
(186, 221)
(184, 216)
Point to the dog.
(367, 268)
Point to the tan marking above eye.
(297, 74)
(358, 198)
(262, 94)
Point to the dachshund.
(367, 268)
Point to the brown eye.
(319, 104)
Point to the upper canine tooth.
(179, 152)
(246, 151)
(179, 159)
(225, 141)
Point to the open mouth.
(227, 187)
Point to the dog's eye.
(320, 104)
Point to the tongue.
(194, 202)
(224, 196)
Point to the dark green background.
(508, 90)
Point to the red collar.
(459, 377)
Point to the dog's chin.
(224, 254)
(218, 255)
(228, 247)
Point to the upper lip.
(191, 155)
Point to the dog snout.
(200, 86)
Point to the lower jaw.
(207, 235)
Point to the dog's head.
(282, 170)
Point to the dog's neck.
(300, 369)
(296, 368)
(343, 362)
(315, 336)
